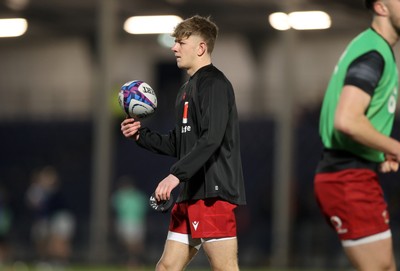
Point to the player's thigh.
(373, 256)
(176, 256)
(222, 254)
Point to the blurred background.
(72, 188)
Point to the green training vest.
(382, 106)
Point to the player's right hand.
(130, 128)
(165, 187)
(389, 165)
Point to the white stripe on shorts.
(196, 242)
(368, 239)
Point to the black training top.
(205, 139)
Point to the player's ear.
(380, 8)
(202, 49)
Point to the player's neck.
(201, 63)
(386, 30)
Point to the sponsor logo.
(392, 101)
(185, 112)
(195, 225)
(148, 90)
(186, 129)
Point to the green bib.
(382, 107)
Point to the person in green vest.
(130, 206)
(5, 227)
(356, 121)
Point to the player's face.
(186, 52)
(394, 7)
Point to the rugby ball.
(137, 99)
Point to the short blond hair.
(200, 26)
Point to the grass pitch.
(25, 267)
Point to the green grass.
(22, 267)
(188, 269)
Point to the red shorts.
(353, 203)
(208, 218)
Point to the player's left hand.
(165, 187)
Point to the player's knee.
(382, 265)
(227, 265)
(161, 266)
(164, 265)
(389, 266)
(232, 267)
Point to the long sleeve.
(157, 143)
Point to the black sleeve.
(365, 72)
(156, 142)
